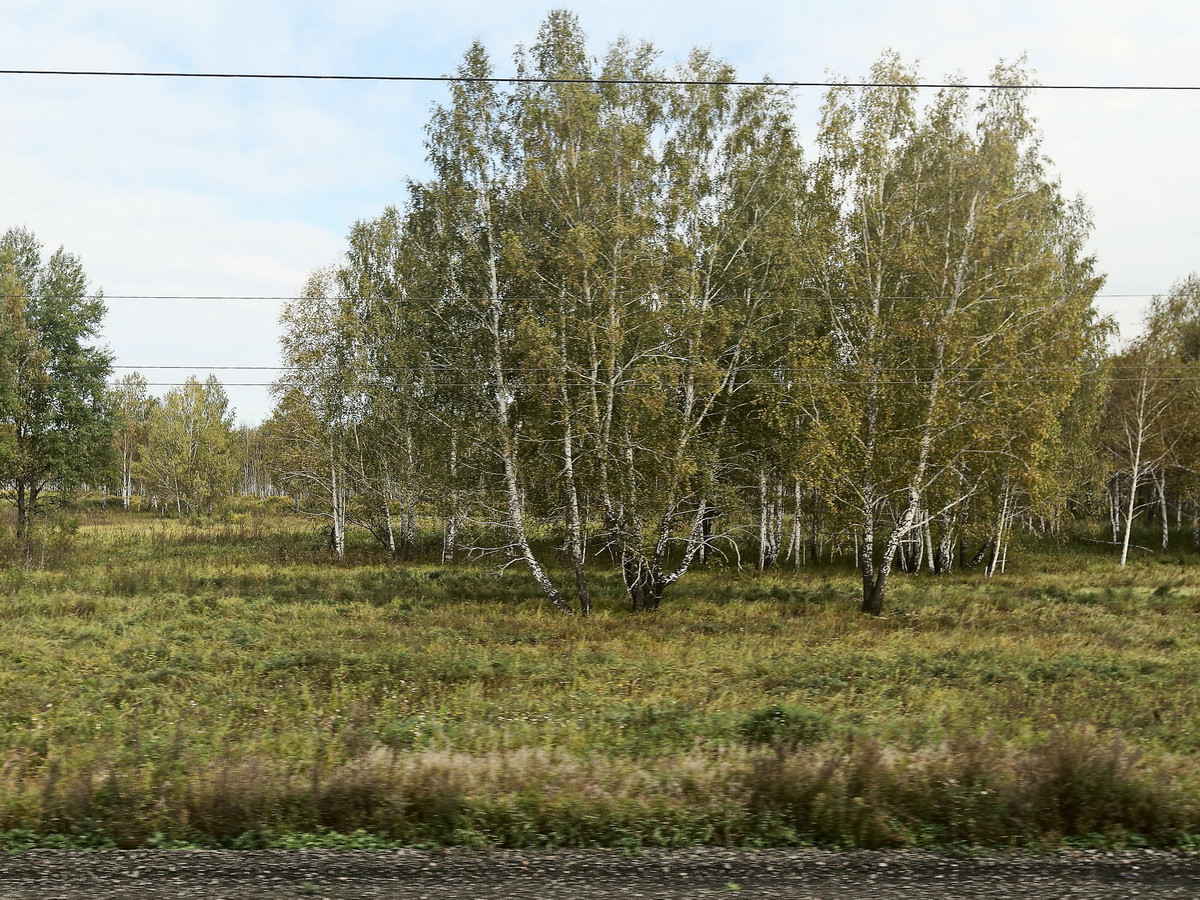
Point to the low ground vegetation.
(228, 683)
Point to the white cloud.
(232, 187)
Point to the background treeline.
(638, 325)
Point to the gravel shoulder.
(591, 875)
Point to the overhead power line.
(534, 370)
(658, 385)
(206, 297)
(512, 79)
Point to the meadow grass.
(227, 683)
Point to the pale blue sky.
(203, 187)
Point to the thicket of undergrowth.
(1073, 784)
(225, 684)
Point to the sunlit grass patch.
(169, 652)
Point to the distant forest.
(630, 323)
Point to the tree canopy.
(628, 315)
(55, 420)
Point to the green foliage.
(627, 312)
(784, 724)
(188, 460)
(55, 420)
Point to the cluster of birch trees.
(1149, 434)
(630, 320)
(631, 324)
(179, 453)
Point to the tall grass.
(227, 683)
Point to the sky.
(201, 187)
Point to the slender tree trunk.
(706, 533)
(22, 511)
(126, 478)
(575, 536)
(508, 432)
(338, 511)
(1135, 474)
(391, 531)
(917, 543)
(874, 590)
(815, 532)
(945, 552)
(795, 543)
(1195, 524)
(927, 534)
(410, 494)
(576, 540)
(516, 506)
(1161, 484)
(763, 525)
(1114, 505)
(998, 542)
(450, 542)
(866, 558)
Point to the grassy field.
(227, 684)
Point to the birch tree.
(132, 407)
(189, 460)
(465, 255)
(1153, 405)
(959, 284)
(320, 404)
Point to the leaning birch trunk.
(1135, 474)
(509, 435)
(917, 542)
(873, 592)
(998, 542)
(516, 510)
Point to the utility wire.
(508, 79)
(407, 299)
(660, 385)
(533, 370)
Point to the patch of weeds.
(784, 724)
(406, 734)
(644, 728)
